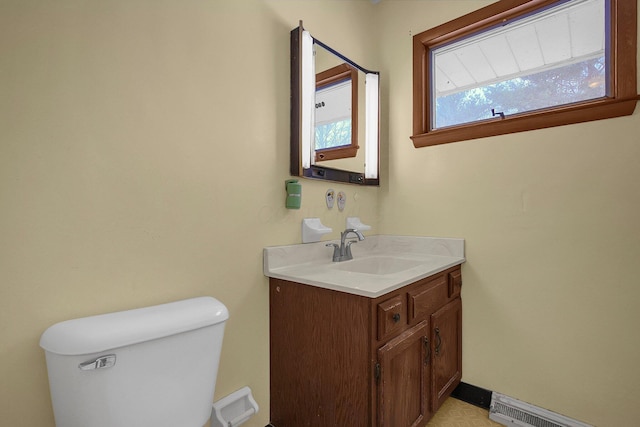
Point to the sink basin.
(377, 265)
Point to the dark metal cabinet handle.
(396, 317)
(438, 342)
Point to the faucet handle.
(336, 251)
(348, 248)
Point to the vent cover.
(512, 412)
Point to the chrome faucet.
(343, 252)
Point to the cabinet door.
(446, 342)
(403, 385)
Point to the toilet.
(147, 367)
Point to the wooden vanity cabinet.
(338, 359)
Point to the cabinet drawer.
(455, 283)
(392, 316)
(428, 297)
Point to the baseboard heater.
(512, 412)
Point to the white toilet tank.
(148, 367)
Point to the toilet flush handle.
(101, 362)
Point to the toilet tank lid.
(103, 332)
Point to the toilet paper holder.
(234, 409)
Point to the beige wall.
(550, 219)
(143, 153)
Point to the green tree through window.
(332, 135)
(573, 83)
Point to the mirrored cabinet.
(334, 114)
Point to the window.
(336, 113)
(333, 119)
(520, 65)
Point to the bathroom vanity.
(376, 341)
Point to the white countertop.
(311, 264)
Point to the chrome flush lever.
(102, 362)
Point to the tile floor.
(456, 413)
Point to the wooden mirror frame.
(326, 78)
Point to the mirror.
(334, 114)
